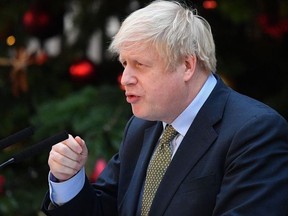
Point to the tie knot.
(169, 134)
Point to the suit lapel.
(197, 141)
(130, 201)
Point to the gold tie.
(157, 167)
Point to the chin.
(149, 115)
(143, 116)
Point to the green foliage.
(238, 11)
(252, 60)
(98, 115)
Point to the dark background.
(71, 89)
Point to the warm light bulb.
(10, 40)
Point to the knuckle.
(61, 160)
(63, 148)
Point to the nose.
(128, 76)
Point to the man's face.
(153, 92)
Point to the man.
(230, 154)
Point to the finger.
(73, 145)
(84, 153)
(81, 142)
(61, 167)
(62, 173)
(64, 160)
(65, 151)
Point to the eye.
(138, 64)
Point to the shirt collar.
(185, 119)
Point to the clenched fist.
(67, 158)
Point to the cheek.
(164, 89)
(166, 93)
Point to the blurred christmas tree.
(56, 74)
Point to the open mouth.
(132, 98)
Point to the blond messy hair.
(175, 30)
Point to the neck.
(194, 85)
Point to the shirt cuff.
(63, 192)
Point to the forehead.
(138, 50)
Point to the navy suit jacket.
(232, 161)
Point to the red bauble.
(210, 4)
(98, 168)
(2, 184)
(274, 29)
(40, 22)
(36, 19)
(40, 58)
(82, 70)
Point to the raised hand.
(67, 158)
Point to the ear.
(190, 67)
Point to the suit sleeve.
(94, 199)
(98, 199)
(255, 181)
